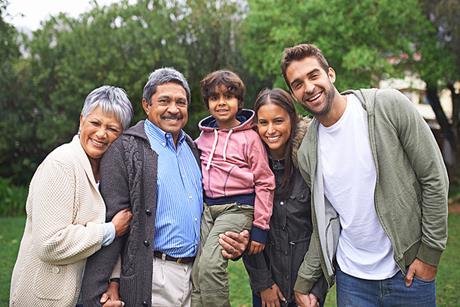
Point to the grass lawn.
(447, 279)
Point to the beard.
(329, 95)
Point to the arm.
(425, 157)
(310, 270)
(260, 276)
(264, 182)
(115, 190)
(57, 239)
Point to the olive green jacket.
(410, 191)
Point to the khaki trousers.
(171, 284)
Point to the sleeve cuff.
(303, 285)
(429, 255)
(259, 235)
(109, 233)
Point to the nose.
(221, 101)
(309, 87)
(270, 129)
(101, 132)
(173, 108)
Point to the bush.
(12, 199)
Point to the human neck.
(339, 104)
(95, 168)
(228, 124)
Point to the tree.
(119, 45)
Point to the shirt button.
(148, 212)
(146, 243)
(144, 303)
(55, 270)
(196, 219)
(281, 203)
(190, 197)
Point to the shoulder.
(301, 130)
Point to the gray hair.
(161, 76)
(112, 100)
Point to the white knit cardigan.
(65, 212)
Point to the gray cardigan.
(128, 180)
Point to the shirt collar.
(162, 137)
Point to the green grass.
(240, 294)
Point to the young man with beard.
(379, 190)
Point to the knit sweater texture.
(65, 212)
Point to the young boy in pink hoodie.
(237, 182)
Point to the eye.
(296, 85)
(95, 123)
(228, 96)
(181, 102)
(262, 122)
(114, 130)
(314, 76)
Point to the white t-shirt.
(349, 176)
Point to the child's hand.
(255, 247)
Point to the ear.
(145, 106)
(331, 74)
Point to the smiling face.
(274, 127)
(311, 85)
(97, 131)
(223, 106)
(168, 108)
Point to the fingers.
(104, 298)
(409, 276)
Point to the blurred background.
(48, 64)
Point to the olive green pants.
(209, 273)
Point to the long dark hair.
(285, 101)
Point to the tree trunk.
(446, 128)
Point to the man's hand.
(271, 297)
(306, 300)
(111, 298)
(421, 270)
(121, 221)
(233, 244)
(255, 247)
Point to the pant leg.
(207, 222)
(420, 293)
(212, 274)
(171, 285)
(356, 292)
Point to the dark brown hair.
(300, 52)
(285, 101)
(228, 79)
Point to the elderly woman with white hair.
(65, 211)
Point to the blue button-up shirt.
(180, 194)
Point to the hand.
(121, 221)
(306, 300)
(233, 244)
(255, 247)
(272, 297)
(111, 298)
(421, 270)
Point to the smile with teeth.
(273, 139)
(315, 97)
(97, 143)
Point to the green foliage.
(357, 37)
(12, 199)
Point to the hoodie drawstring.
(226, 143)
(214, 145)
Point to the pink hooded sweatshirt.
(234, 162)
